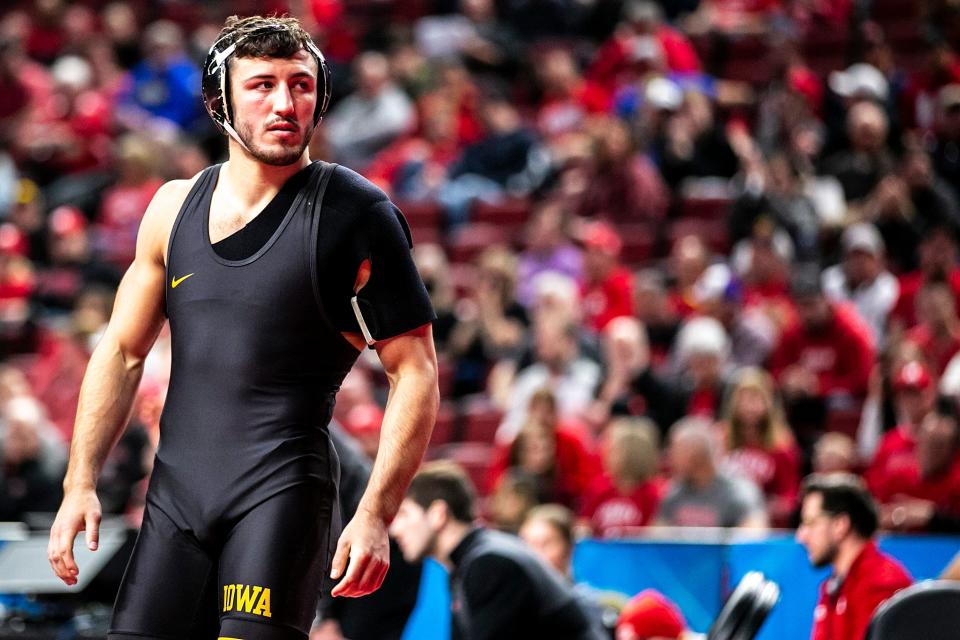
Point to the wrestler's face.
(414, 531)
(274, 100)
(817, 531)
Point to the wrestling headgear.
(216, 79)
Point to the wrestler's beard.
(282, 157)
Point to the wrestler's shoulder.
(350, 192)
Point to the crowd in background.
(682, 253)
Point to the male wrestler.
(274, 272)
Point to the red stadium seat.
(845, 421)
(471, 239)
(713, 232)
(704, 208)
(639, 242)
(476, 458)
(509, 213)
(480, 421)
(443, 428)
(422, 214)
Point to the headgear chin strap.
(216, 79)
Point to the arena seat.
(443, 427)
(510, 213)
(471, 239)
(928, 610)
(480, 421)
(476, 458)
(713, 232)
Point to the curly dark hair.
(270, 44)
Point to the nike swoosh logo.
(175, 281)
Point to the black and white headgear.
(216, 78)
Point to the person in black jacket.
(383, 614)
(500, 588)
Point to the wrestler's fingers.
(373, 576)
(93, 530)
(348, 586)
(340, 559)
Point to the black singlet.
(244, 460)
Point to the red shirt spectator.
(759, 443)
(938, 334)
(913, 398)
(607, 289)
(845, 614)
(613, 513)
(831, 343)
(558, 459)
(627, 495)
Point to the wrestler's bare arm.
(410, 361)
(112, 377)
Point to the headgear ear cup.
(215, 86)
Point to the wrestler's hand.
(80, 511)
(365, 544)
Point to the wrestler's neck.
(847, 553)
(448, 539)
(251, 179)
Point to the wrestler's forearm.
(407, 424)
(106, 399)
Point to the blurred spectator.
(696, 144)
(642, 42)
(358, 412)
(759, 443)
(494, 165)
(905, 206)
(937, 335)
(124, 203)
(697, 388)
(774, 190)
(941, 68)
(938, 263)
(945, 153)
(434, 270)
(913, 398)
(490, 322)
(763, 263)
(826, 355)
(73, 264)
(17, 283)
(619, 183)
(567, 99)
(548, 530)
(719, 294)
(862, 279)
(371, 117)
(606, 291)
(560, 367)
(485, 44)
(700, 493)
(650, 616)
(26, 481)
(514, 495)
(123, 33)
(551, 450)
(653, 309)
(834, 452)
(689, 257)
(166, 84)
(548, 249)
(928, 483)
(624, 498)
(625, 351)
(868, 160)
(837, 523)
(414, 166)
